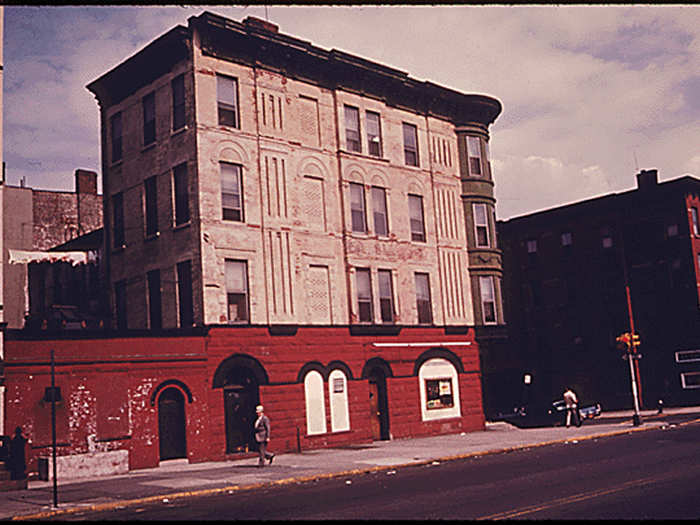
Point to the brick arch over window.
(171, 383)
(230, 151)
(324, 370)
(438, 353)
(376, 362)
(239, 361)
(313, 167)
(308, 367)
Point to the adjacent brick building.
(282, 224)
(565, 275)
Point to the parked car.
(546, 415)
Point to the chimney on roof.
(647, 179)
(85, 182)
(259, 23)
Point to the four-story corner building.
(283, 225)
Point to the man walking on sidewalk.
(571, 408)
(262, 436)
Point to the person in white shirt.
(571, 408)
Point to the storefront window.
(438, 393)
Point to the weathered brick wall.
(110, 386)
(56, 217)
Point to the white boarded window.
(315, 404)
(338, 395)
(439, 390)
(318, 295)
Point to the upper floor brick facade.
(250, 177)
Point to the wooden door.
(374, 413)
(171, 424)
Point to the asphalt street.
(645, 475)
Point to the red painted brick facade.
(110, 388)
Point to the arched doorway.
(171, 424)
(241, 395)
(376, 371)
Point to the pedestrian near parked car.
(262, 436)
(571, 408)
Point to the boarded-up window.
(338, 393)
(308, 120)
(318, 296)
(315, 404)
(313, 202)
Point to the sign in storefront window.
(338, 385)
(439, 393)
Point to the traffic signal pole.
(634, 374)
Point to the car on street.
(546, 415)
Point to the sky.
(591, 94)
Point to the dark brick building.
(565, 275)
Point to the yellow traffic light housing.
(624, 341)
(635, 340)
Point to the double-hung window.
(358, 216)
(374, 134)
(379, 211)
(237, 290)
(116, 133)
(481, 226)
(423, 302)
(231, 194)
(364, 295)
(182, 205)
(695, 219)
(415, 212)
(149, 118)
(151, 197)
(352, 129)
(474, 155)
(178, 92)
(227, 101)
(154, 302)
(410, 144)
(488, 299)
(118, 239)
(184, 293)
(120, 303)
(386, 296)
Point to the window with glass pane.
(381, 223)
(120, 304)
(118, 220)
(532, 246)
(151, 191)
(423, 302)
(227, 101)
(154, 304)
(364, 295)
(415, 211)
(184, 293)
(474, 155)
(149, 118)
(352, 129)
(237, 290)
(116, 132)
(178, 90)
(374, 134)
(488, 299)
(696, 220)
(481, 225)
(231, 196)
(606, 237)
(487, 159)
(357, 208)
(566, 239)
(182, 205)
(410, 144)
(386, 296)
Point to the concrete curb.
(330, 475)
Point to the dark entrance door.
(378, 405)
(240, 398)
(171, 424)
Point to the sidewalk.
(177, 478)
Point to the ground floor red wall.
(110, 387)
